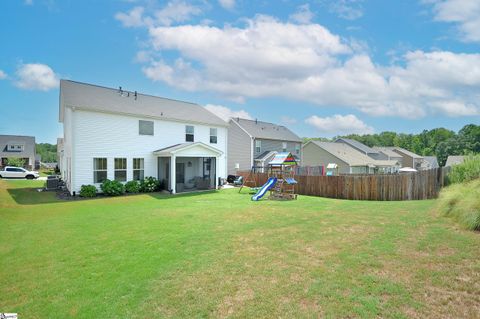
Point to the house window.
(145, 127)
(213, 135)
(284, 146)
(189, 133)
(15, 147)
(297, 149)
(99, 170)
(121, 169)
(138, 172)
(258, 146)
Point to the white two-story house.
(123, 135)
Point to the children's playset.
(281, 182)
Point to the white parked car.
(18, 172)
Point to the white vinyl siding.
(120, 169)
(138, 169)
(99, 170)
(116, 136)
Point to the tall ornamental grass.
(466, 171)
(461, 202)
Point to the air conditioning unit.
(52, 183)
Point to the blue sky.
(320, 67)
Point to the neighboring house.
(409, 159)
(387, 153)
(454, 160)
(122, 135)
(429, 162)
(348, 160)
(14, 146)
(255, 143)
(362, 148)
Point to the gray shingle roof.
(431, 160)
(265, 130)
(27, 141)
(350, 155)
(388, 151)
(98, 98)
(454, 160)
(360, 146)
(406, 152)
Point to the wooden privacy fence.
(418, 185)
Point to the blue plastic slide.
(265, 188)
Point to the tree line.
(438, 142)
(47, 151)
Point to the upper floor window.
(297, 149)
(258, 146)
(213, 135)
(99, 169)
(15, 147)
(138, 170)
(145, 127)
(121, 169)
(284, 146)
(189, 133)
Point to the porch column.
(217, 172)
(173, 175)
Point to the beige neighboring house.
(454, 160)
(387, 153)
(348, 159)
(409, 159)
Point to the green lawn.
(219, 254)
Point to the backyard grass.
(218, 254)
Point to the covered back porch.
(195, 168)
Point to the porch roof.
(192, 149)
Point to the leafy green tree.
(47, 151)
(15, 161)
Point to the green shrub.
(132, 187)
(112, 188)
(88, 191)
(15, 161)
(149, 184)
(462, 203)
(466, 171)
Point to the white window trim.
(115, 170)
(99, 170)
(142, 167)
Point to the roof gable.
(356, 144)
(101, 99)
(265, 130)
(350, 155)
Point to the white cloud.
(28, 2)
(347, 9)
(134, 18)
(339, 124)
(36, 76)
(303, 14)
(227, 4)
(306, 62)
(174, 11)
(3, 75)
(226, 113)
(464, 13)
